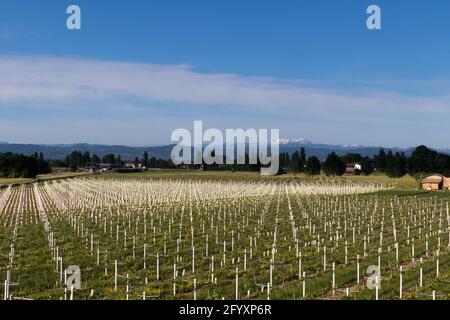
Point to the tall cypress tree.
(333, 165)
(302, 161)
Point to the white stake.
(237, 283)
(71, 293)
(115, 275)
(376, 287)
(437, 268)
(334, 279)
(357, 269)
(157, 267)
(195, 288)
(401, 282)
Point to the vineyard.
(205, 239)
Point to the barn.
(352, 169)
(435, 182)
(446, 183)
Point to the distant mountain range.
(60, 151)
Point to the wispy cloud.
(50, 99)
(70, 81)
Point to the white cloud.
(70, 81)
(68, 99)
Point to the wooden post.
(396, 251)
(376, 286)
(437, 268)
(271, 272)
(145, 256)
(334, 279)
(6, 294)
(195, 288)
(115, 275)
(357, 269)
(61, 270)
(300, 267)
(157, 267)
(193, 259)
(379, 258)
(245, 259)
(237, 283)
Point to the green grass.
(42, 177)
(118, 234)
(4, 182)
(61, 175)
(405, 183)
(185, 174)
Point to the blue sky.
(140, 69)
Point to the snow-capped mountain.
(298, 141)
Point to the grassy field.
(405, 183)
(42, 177)
(4, 182)
(61, 175)
(165, 230)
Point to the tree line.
(422, 160)
(78, 159)
(21, 166)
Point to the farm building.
(446, 183)
(435, 182)
(352, 169)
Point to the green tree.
(20, 166)
(119, 161)
(294, 164)
(367, 167)
(302, 160)
(95, 160)
(109, 159)
(395, 165)
(380, 160)
(352, 158)
(74, 160)
(313, 166)
(333, 165)
(145, 162)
